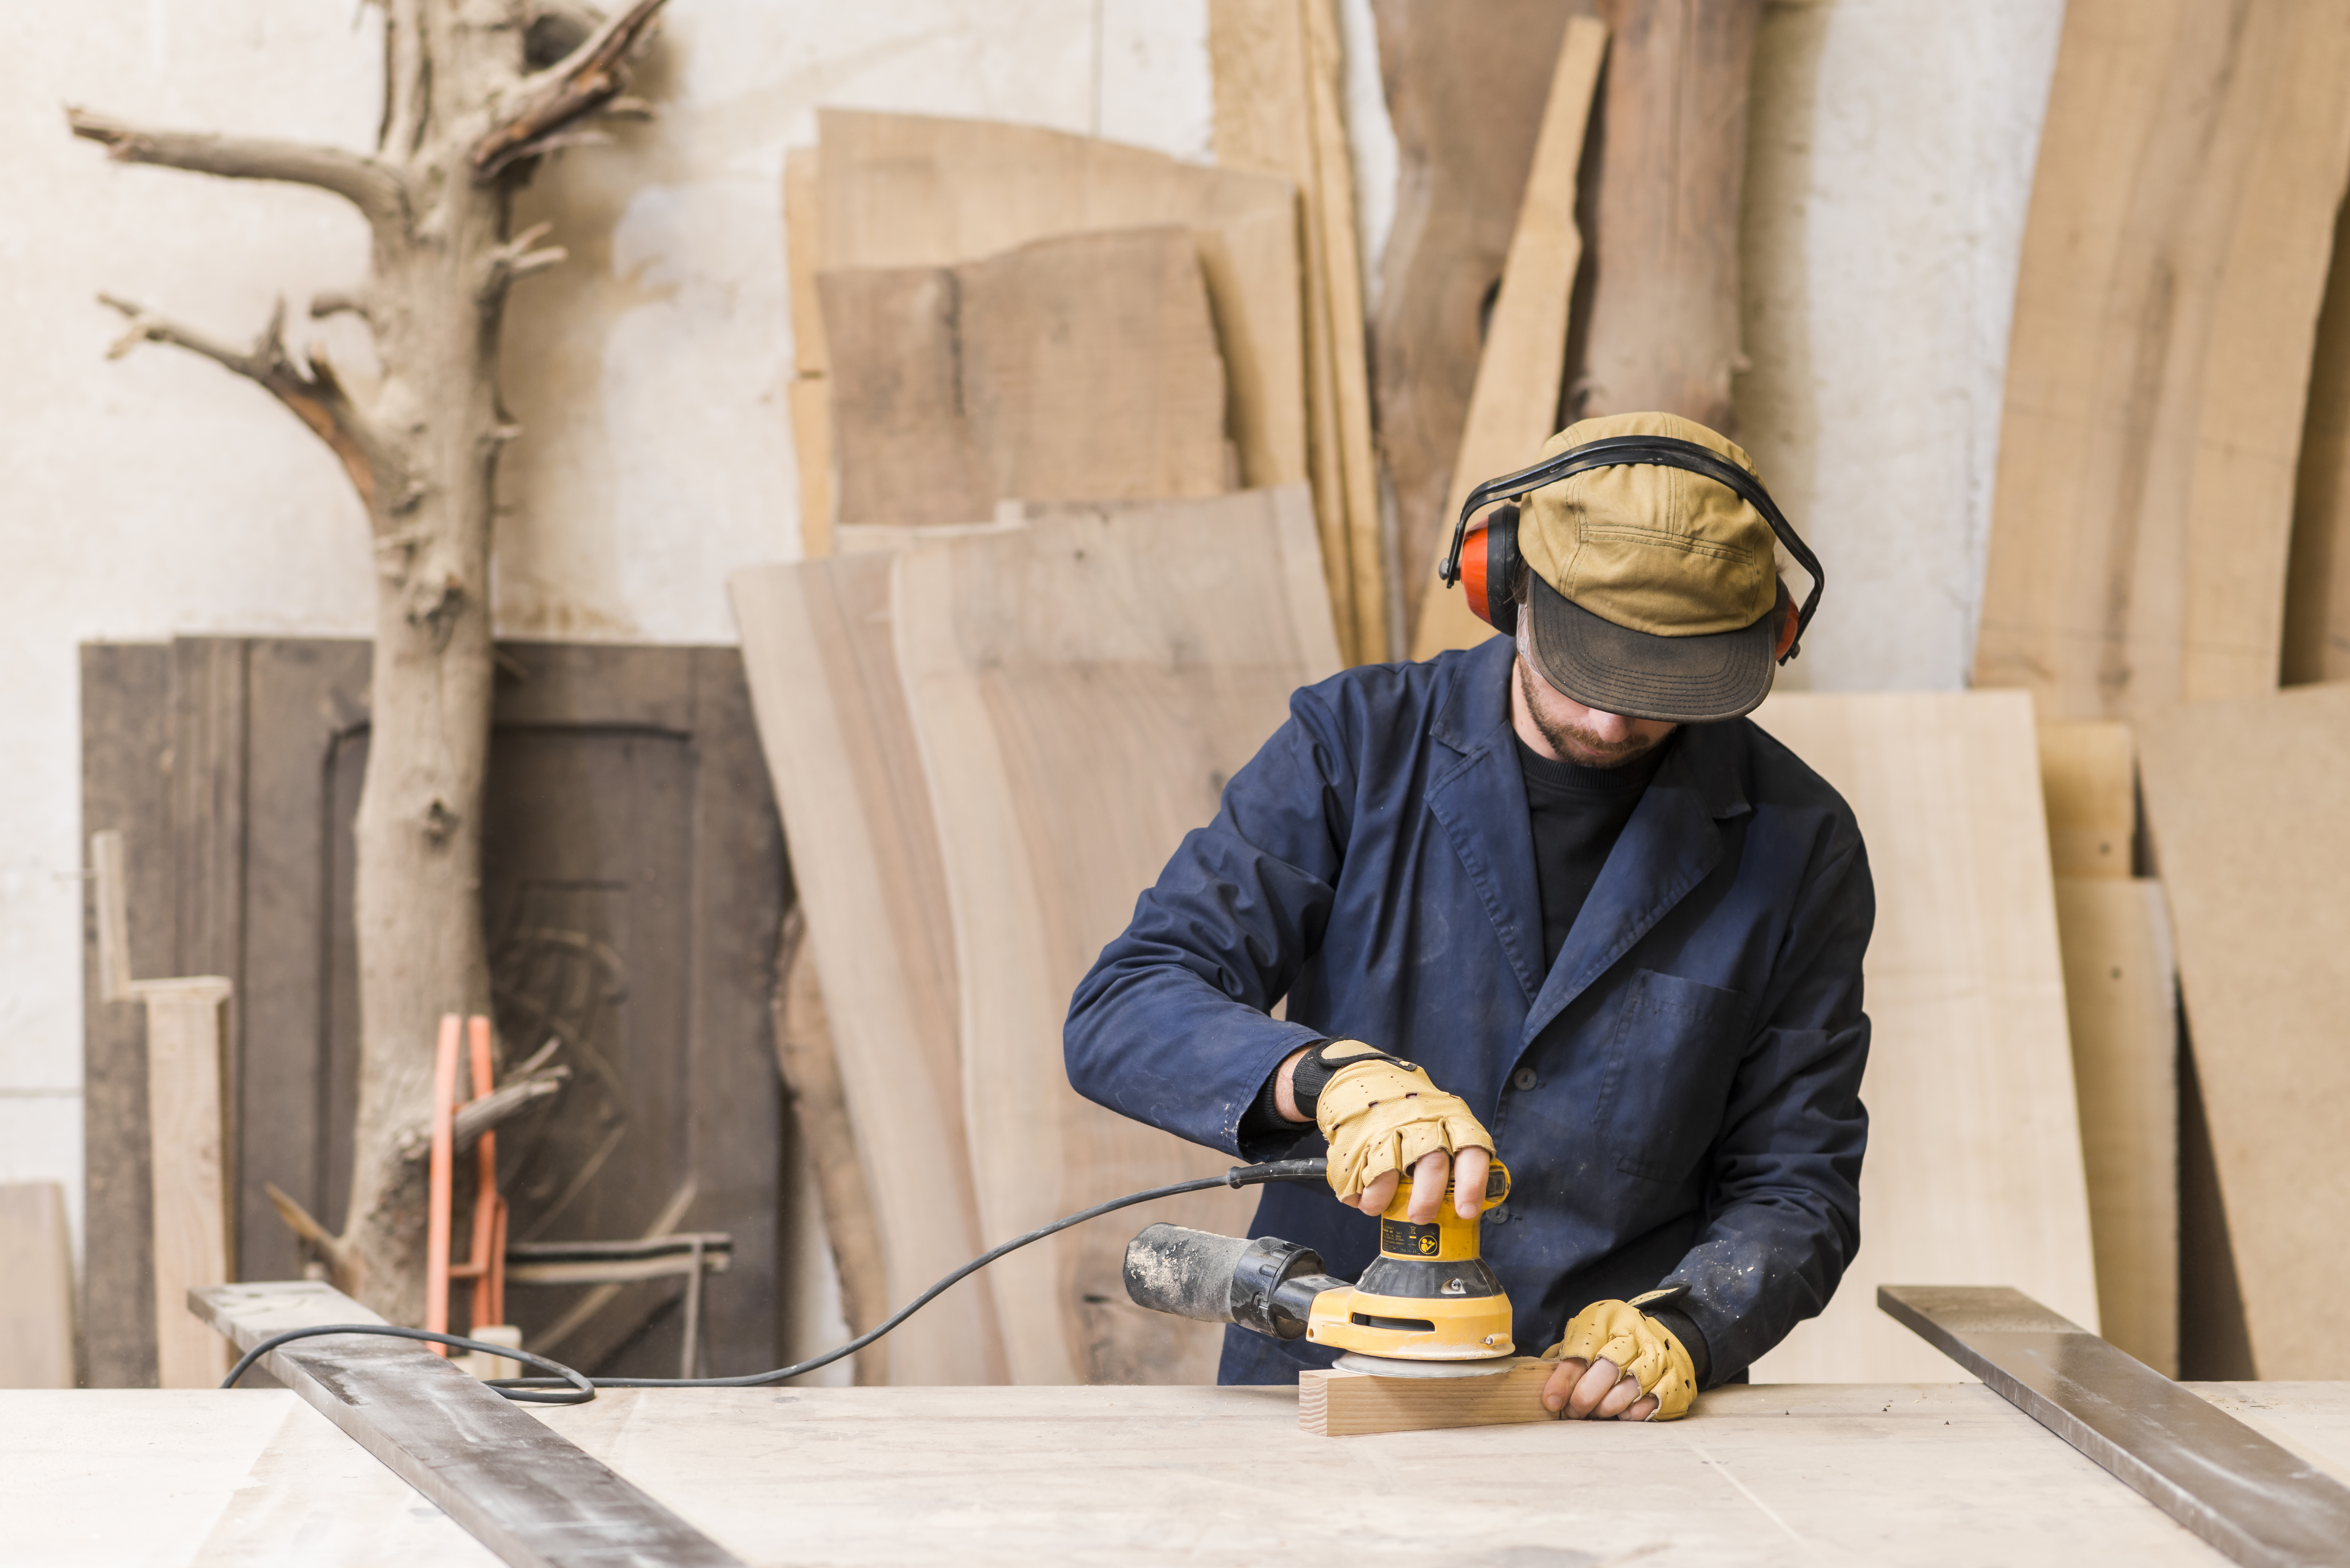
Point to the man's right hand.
(1383, 1117)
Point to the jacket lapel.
(1669, 846)
(1480, 803)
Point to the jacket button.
(1498, 1217)
(1524, 1078)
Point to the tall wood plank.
(2317, 572)
(839, 744)
(1465, 86)
(1078, 368)
(1082, 690)
(807, 395)
(1662, 327)
(125, 736)
(2243, 803)
(900, 190)
(2175, 255)
(36, 1297)
(2088, 776)
(187, 1035)
(1278, 67)
(523, 1490)
(1515, 405)
(2120, 991)
(1974, 1172)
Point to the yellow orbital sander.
(1428, 1307)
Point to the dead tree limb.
(587, 79)
(371, 185)
(466, 106)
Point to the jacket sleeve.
(1783, 1205)
(1171, 1025)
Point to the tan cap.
(1654, 586)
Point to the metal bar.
(520, 1487)
(2253, 1498)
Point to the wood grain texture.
(187, 1033)
(2174, 258)
(817, 643)
(811, 1068)
(1465, 86)
(1974, 1171)
(810, 397)
(1078, 368)
(1082, 690)
(1662, 327)
(2120, 998)
(2088, 776)
(125, 735)
(1278, 67)
(902, 190)
(1515, 405)
(2317, 570)
(1040, 1478)
(2242, 802)
(519, 1489)
(1335, 1404)
(36, 1294)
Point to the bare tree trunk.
(463, 113)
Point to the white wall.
(1892, 153)
(1890, 156)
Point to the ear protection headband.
(1489, 567)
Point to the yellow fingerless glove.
(1381, 1115)
(1643, 1348)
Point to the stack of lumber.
(2174, 259)
(2167, 544)
(984, 744)
(2243, 808)
(1974, 1172)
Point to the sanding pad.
(1394, 1366)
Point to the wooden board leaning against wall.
(1514, 403)
(1082, 689)
(899, 191)
(1974, 1173)
(2120, 989)
(818, 649)
(1465, 88)
(1278, 67)
(2243, 809)
(2174, 260)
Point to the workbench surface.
(1790, 1473)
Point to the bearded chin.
(1577, 745)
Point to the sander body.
(1428, 1305)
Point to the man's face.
(1582, 735)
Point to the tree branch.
(580, 84)
(484, 1114)
(299, 1220)
(315, 396)
(371, 185)
(516, 260)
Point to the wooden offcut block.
(1336, 1404)
(37, 1295)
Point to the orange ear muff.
(1789, 623)
(1489, 569)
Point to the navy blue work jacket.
(1677, 1096)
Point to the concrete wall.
(1892, 155)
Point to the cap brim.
(1640, 675)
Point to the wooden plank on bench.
(524, 1491)
(1339, 1404)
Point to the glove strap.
(1662, 1296)
(1313, 1075)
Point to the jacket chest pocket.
(1671, 1062)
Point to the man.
(1553, 897)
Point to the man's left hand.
(1617, 1362)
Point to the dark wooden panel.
(125, 721)
(633, 883)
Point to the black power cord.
(578, 1388)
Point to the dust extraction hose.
(572, 1387)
